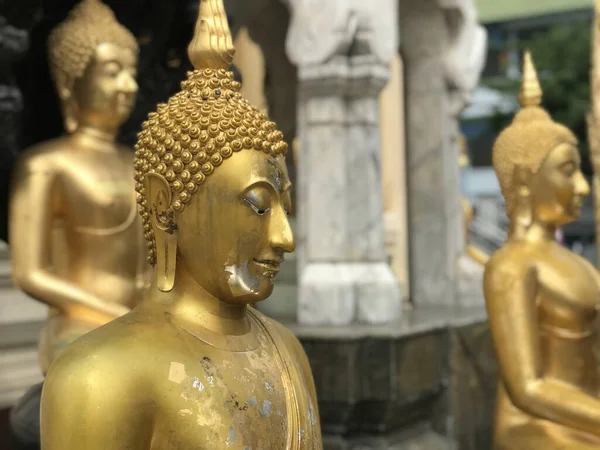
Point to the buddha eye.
(112, 69)
(569, 168)
(258, 210)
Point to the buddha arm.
(473, 252)
(88, 403)
(510, 292)
(477, 254)
(32, 212)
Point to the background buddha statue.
(476, 254)
(76, 239)
(193, 366)
(542, 298)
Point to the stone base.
(417, 438)
(20, 325)
(340, 294)
(426, 381)
(19, 371)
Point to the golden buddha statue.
(193, 366)
(542, 299)
(76, 240)
(476, 254)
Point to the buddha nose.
(582, 187)
(128, 83)
(280, 231)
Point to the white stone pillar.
(443, 55)
(423, 43)
(464, 62)
(342, 54)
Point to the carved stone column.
(593, 122)
(464, 62)
(443, 55)
(342, 54)
(423, 43)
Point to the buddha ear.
(65, 94)
(522, 213)
(159, 198)
(69, 109)
(162, 218)
(522, 177)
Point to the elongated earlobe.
(522, 214)
(165, 230)
(69, 110)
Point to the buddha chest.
(98, 191)
(213, 398)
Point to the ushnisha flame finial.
(530, 93)
(212, 44)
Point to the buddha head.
(93, 60)
(537, 162)
(214, 191)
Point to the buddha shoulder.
(98, 393)
(106, 356)
(514, 261)
(46, 156)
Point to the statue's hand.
(212, 44)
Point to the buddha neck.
(96, 138)
(195, 309)
(538, 231)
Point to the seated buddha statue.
(193, 366)
(541, 298)
(76, 240)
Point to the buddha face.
(233, 234)
(104, 96)
(558, 187)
